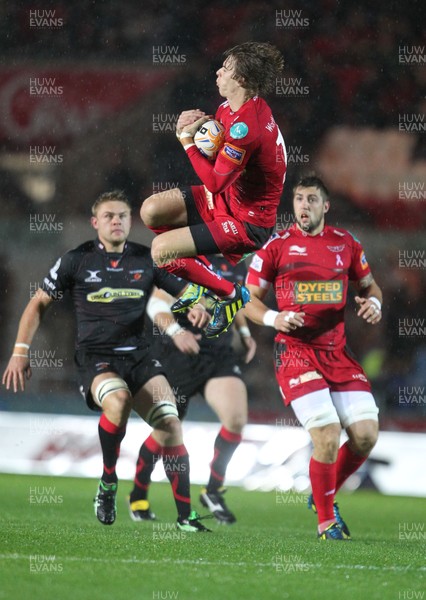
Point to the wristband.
(156, 306)
(186, 146)
(186, 134)
(173, 329)
(244, 331)
(375, 301)
(22, 345)
(22, 355)
(269, 317)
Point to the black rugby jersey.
(109, 291)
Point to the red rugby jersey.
(250, 169)
(310, 274)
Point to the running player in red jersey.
(310, 266)
(234, 211)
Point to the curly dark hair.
(257, 66)
(115, 195)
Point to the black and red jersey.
(109, 291)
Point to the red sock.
(323, 481)
(347, 463)
(196, 270)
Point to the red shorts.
(228, 232)
(301, 370)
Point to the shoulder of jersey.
(83, 248)
(278, 236)
(139, 249)
(338, 232)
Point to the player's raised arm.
(19, 368)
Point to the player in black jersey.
(110, 281)
(211, 369)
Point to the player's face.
(309, 209)
(225, 82)
(112, 222)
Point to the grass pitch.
(52, 547)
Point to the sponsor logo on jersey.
(114, 263)
(230, 226)
(238, 131)
(359, 376)
(234, 154)
(93, 277)
(339, 261)
(107, 295)
(102, 366)
(363, 260)
(318, 292)
(297, 250)
(304, 378)
(256, 263)
(336, 248)
(156, 362)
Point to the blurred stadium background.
(89, 98)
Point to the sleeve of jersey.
(261, 272)
(215, 176)
(170, 283)
(359, 266)
(58, 280)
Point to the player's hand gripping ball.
(209, 138)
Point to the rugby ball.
(209, 138)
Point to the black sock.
(176, 466)
(110, 436)
(150, 452)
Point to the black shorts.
(136, 367)
(188, 374)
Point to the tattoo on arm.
(365, 282)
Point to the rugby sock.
(110, 436)
(197, 271)
(225, 445)
(176, 467)
(347, 463)
(323, 481)
(150, 452)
